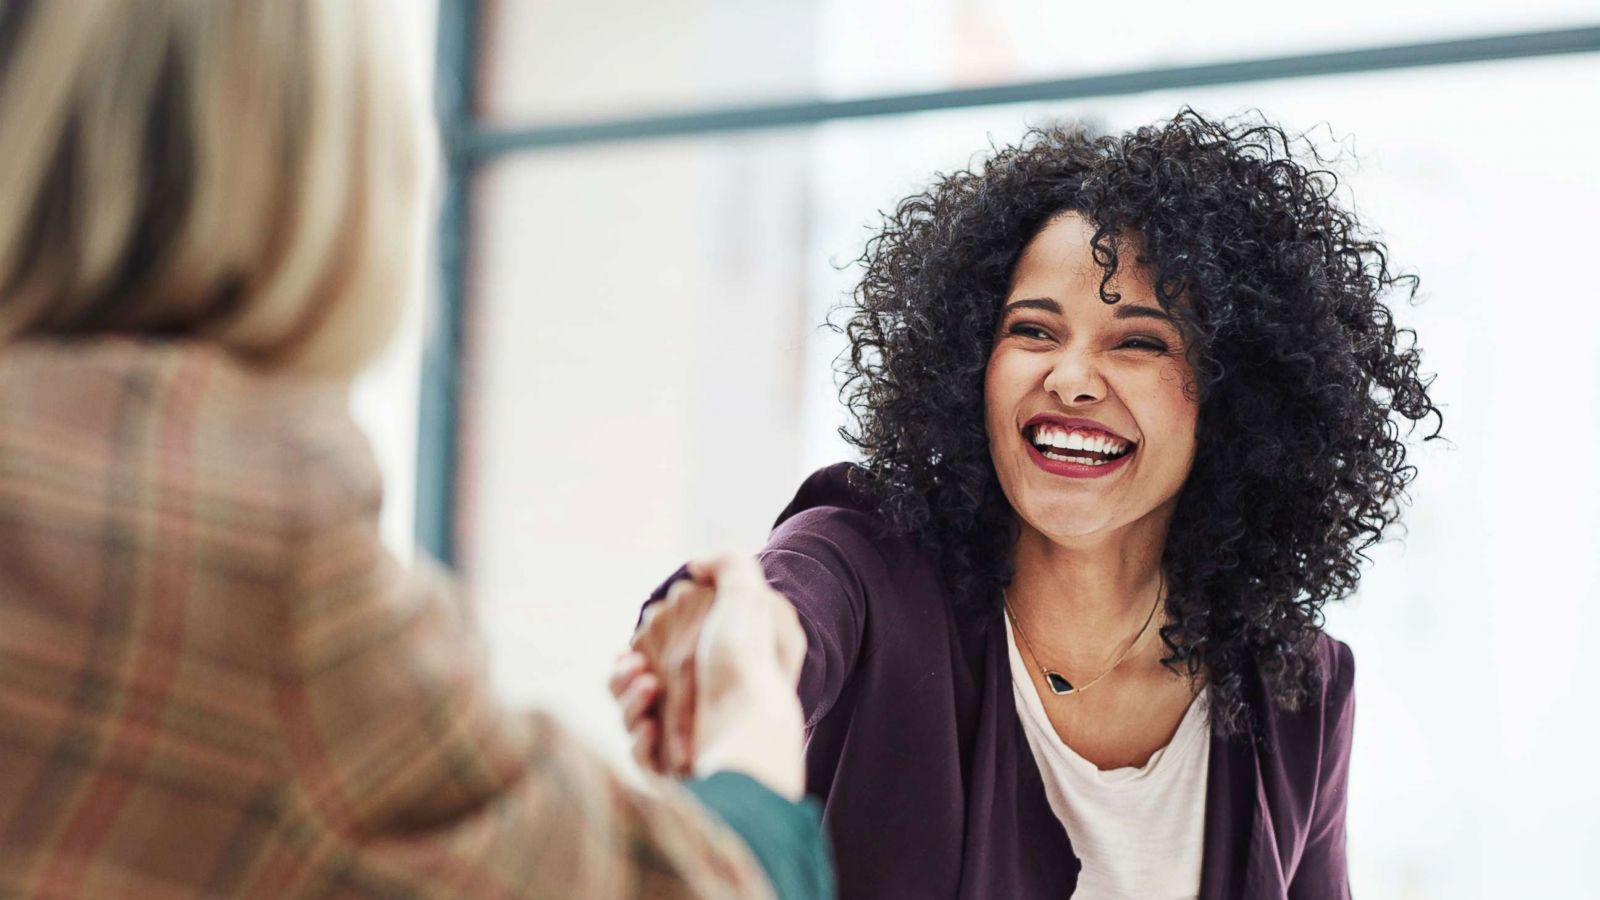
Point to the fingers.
(679, 593)
(678, 717)
(646, 738)
(666, 643)
(741, 578)
(628, 666)
(639, 698)
(681, 588)
(658, 683)
(638, 691)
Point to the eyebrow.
(1044, 303)
(1141, 312)
(1122, 311)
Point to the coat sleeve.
(407, 779)
(824, 563)
(1323, 871)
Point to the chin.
(1062, 522)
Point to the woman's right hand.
(710, 682)
(655, 682)
(637, 690)
(747, 715)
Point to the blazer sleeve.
(1323, 871)
(407, 779)
(824, 562)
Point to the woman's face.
(1091, 428)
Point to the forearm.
(402, 761)
(743, 723)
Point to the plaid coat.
(214, 681)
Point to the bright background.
(645, 377)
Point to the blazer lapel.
(1233, 819)
(1040, 862)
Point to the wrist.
(758, 734)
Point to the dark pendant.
(1059, 683)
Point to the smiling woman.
(1139, 393)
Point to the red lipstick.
(1076, 470)
(1073, 469)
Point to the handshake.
(709, 683)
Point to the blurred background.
(650, 208)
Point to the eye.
(1141, 342)
(1028, 330)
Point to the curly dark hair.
(1301, 375)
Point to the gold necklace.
(1058, 682)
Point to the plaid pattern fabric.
(215, 682)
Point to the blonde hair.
(247, 171)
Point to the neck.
(1081, 600)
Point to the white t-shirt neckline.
(1139, 830)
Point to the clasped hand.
(709, 682)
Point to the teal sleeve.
(785, 837)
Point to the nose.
(1075, 379)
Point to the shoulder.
(831, 550)
(833, 520)
(209, 433)
(1323, 720)
(831, 501)
(830, 490)
(1338, 665)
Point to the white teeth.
(1080, 460)
(1061, 439)
(1052, 438)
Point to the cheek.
(1000, 388)
(1172, 409)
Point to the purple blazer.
(916, 751)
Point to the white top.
(1138, 831)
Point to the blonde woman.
(213, 679)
